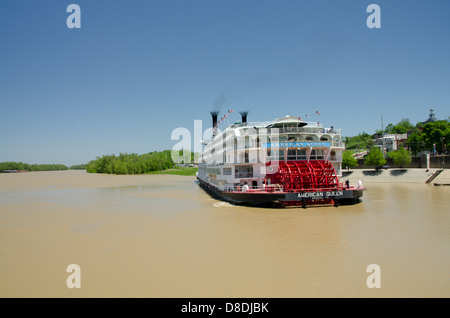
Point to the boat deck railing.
(279, 188)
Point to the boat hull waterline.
(343, 196)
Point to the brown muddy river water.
(163, 236)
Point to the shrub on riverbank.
(188, 171)
(375, 158)
(78, 167)
(401, 157)
(348, 161)
(11, 165)
(131, 163)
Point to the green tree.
(375, 158)
(364, 136)
(348, 161)
(122, 168)
(78, 167)
(433, 132)
(419, 125)
(131, 163)
(33, 167)
(401, 157)
(389, 129)
(403, 127)
(415, 142)
(369, 143)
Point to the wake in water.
(223, 204)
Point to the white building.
(391, 141)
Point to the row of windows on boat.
(281, 155)
(282, 138)
(258, 144)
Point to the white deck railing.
(268, 188)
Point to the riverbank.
(183, 171)
(443, 179)
(415, 175)
(70, 179)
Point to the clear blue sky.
(136, 70)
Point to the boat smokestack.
(214, 121)
(244, 114)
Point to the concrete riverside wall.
(443, 178)
(394, 176)
(416, 162)
(436, 162)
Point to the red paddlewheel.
(299, 176)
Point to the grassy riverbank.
(188, 171)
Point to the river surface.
(163, 236)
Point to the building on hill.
(391, 141)
(431, 117)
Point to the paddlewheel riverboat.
(287, 162)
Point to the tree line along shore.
(152, 162)
(421, 137)
(149, 163)
(20, 166)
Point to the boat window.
(243, 172)
(333, 155)
(247, 142)
(213, 171)
(301, 154)
(292, 154)
(316, 154)
(319, 154)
